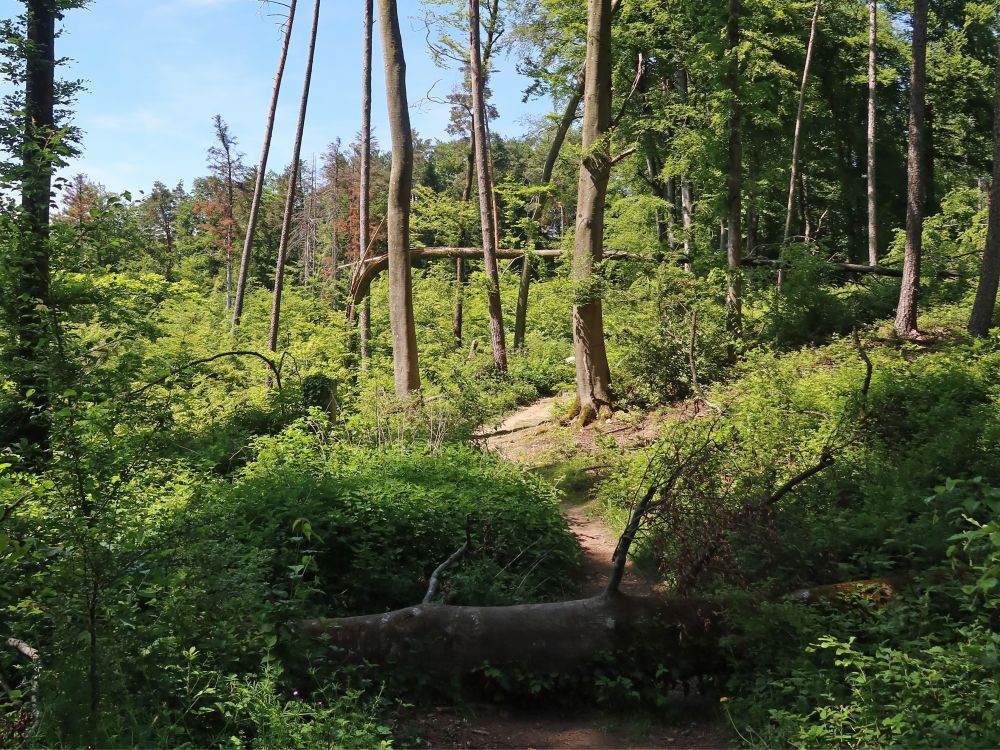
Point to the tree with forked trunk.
(406, 369)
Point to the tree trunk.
(538, 214)
(487, 215)
(797, 137)
(458, 314)
(734, 184)
(31, 280)
(364, 187)
(687, 197)
(258, 192)
(872, 125)
(545, 638)
(981, 319)
(404, 336)
(593, 375)
(906, 313)
(286, 222)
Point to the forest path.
(533, 437)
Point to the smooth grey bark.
(258, 191)
(981, 319)
(905, 324)
(733, 233)
(542, 638)
(793, 180)
(487, 211)
(286, 221)
(406, 370)
(364, 187)
(593, 375)
(872, 126)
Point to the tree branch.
(435, 582)
(275, 368)
(32, 655)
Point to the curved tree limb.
(275, 368)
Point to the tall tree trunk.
(872, 125)
(593, 375)
(487, 210)
(404, 336)
(906, 312)
(734, 184)
(286, 221)
(258, 191)
(31, 283)
(538, 214)
(797, 137)
(364, 188)
(487, 215)
(457, 316)
(981, 319)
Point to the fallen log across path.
(544, 638)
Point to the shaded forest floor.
(533, 437)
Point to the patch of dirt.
(533, 436)
(487, 727)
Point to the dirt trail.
(532, 437)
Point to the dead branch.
(275, 368)
(623, 155)
(868, 370)
(9, 510)
(687, 578)
(845, 267)
(32, 655)
(435, 582)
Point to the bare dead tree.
(797, 137)
(286, 223)
(258, 193)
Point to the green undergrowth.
(910, 499)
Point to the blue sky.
(157, 71)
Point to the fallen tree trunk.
(845, 267)
(545, 638)
(374, 266)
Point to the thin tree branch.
(435, 582)
(275, 368)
